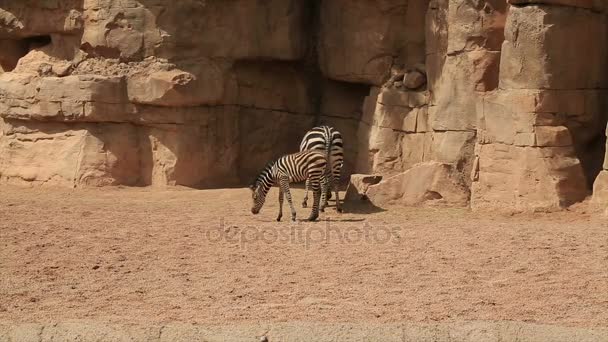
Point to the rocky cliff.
(488, 103)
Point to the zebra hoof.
(304, 204)
(293, 218)
(279, 219)
(313, 217)
(339, 210)
(329, 195)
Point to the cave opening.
(12, 50)
(591, 156)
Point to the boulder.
(428, 183)
(358, 186)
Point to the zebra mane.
(264, 171)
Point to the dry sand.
(151, 256)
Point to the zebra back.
(328, 140)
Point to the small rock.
(62, 69)
(414, 79)
(96, 267)
(45, 69)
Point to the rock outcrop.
(487, 103)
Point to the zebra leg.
(284, 183)
(316, 194)
(280, 204)
(306, 186)
(336, 185)
(324, 190)
(326, 186)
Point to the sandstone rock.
(266, 86)
(178, 88)
(597, 5)
(361, 51)
(358, 186)
(426, 183)
(66, 155)
(29, 18)
(72, 98)
(527, 178)
(553, 136)
(415, 148)
(203, 93)
(384, 145)
(414, 80)
(526, 63)
(452, 147)
(600, 189)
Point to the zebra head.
(258, 196)
(261, 186)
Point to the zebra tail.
(328, 143)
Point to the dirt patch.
(137, 255)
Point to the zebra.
(305, 165)
(328, 140)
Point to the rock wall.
(487, 103)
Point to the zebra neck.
(267, 178)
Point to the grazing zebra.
(306, 165)
(328, 140)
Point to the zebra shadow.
(362, 206)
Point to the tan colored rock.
(29, 18)
(371, 33)
(204, 93)
(527, 178)
(72, 98)
(69, 155)
(526, 62)
(415, 148)
(384, 145)
(414, 80)
(195, 156)
(553, 136)
(429, 183)
(277, 87)
(179, 88)
(358, 186)
(452, 147)
(464, 43)
(600, 189)
(596, 5)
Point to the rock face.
(487, 103)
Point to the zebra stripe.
(328, 140)
(297, 167)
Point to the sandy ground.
(137, 255)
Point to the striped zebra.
(328, 140)
(305, 165)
